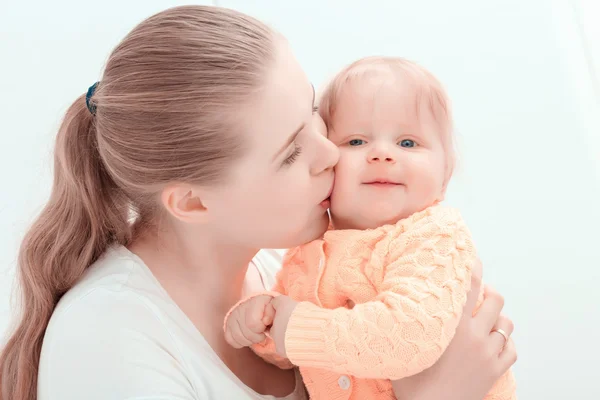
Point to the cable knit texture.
(377, 305)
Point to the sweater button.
(344, 382)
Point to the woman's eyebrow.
(297, 131)
(290, 140)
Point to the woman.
(201, 132)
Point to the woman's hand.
(475, 358)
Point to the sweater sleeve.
(411, 322)
(505, 388)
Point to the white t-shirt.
(117, 335)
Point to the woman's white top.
(117, 335)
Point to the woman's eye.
(407, 143)
(292, 157)
(356, 142)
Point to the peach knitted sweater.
(376, 305)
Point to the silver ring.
(503, 333)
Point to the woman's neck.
(202, 274)
(205, 277)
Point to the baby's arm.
(409, 325)
(247, 323)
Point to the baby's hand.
(247, 323)
(283, 307)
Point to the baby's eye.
(407, 143)
(356, 142)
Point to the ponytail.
(164, 104)
(84, 215)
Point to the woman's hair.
(163, 112)
(419, 85)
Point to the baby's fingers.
(233, 334)
(269, 315)
(259, 314)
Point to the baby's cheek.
(345, 186)
(346, 173)
(339, 194)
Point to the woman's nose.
(327, 155)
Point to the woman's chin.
(322, 226)
(302, 235)
(316, 229)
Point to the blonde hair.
(163, 109)
(420, 84)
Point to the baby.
(379, 297)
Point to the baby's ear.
(442, 196)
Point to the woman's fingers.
(490, 309)
(477, 273)
(509, 355)
(473, 294)
(504, 326)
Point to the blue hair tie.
(88, 97)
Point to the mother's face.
(276, 196)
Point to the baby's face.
(392, 162)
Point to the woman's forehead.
(282, 105)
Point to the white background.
(523, 76)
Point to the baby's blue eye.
(408, 143)
(356, 142)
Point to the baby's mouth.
(382, 182)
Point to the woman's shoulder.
(116, 285)
(117, 334)
(107, 336)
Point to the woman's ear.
(184, 203)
